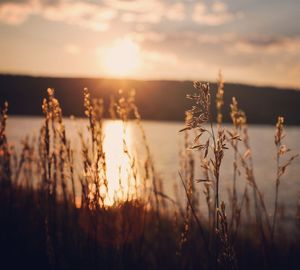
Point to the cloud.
(219, 7)
(268, 45)
(219, 40)
(129, 17)
(237, 44)
(217, 14)
(176, 12)
(16, 13)
(96, 16)
(228, 50)
(147, 36)
(84, 14)
(145, 11)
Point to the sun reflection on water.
(122, 184)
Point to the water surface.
(166, 143)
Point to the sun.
(122, 58)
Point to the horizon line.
(74, 76)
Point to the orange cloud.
(83, 14)
(95, 16)
(16, 13)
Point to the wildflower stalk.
(220, 99)
(281, 150)
(5, 170)
(278, 143)
(196, 217)
(197, 116)
(238, 120)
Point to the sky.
(251, 41)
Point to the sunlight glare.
(122, 58)
(120, 184)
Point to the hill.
(157, 100)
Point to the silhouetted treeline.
(157, 100)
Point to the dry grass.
(47, 223)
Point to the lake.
(166, 143)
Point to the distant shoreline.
(39, 76)
(162, 100)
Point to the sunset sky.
(252, 41)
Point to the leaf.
(206, 150)
(212, 163)
(230, 133)
(197, 137)
(236, 137)
(202, 129)
(199, 146)
(203, 180)
(184, 129)
(247, 153)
